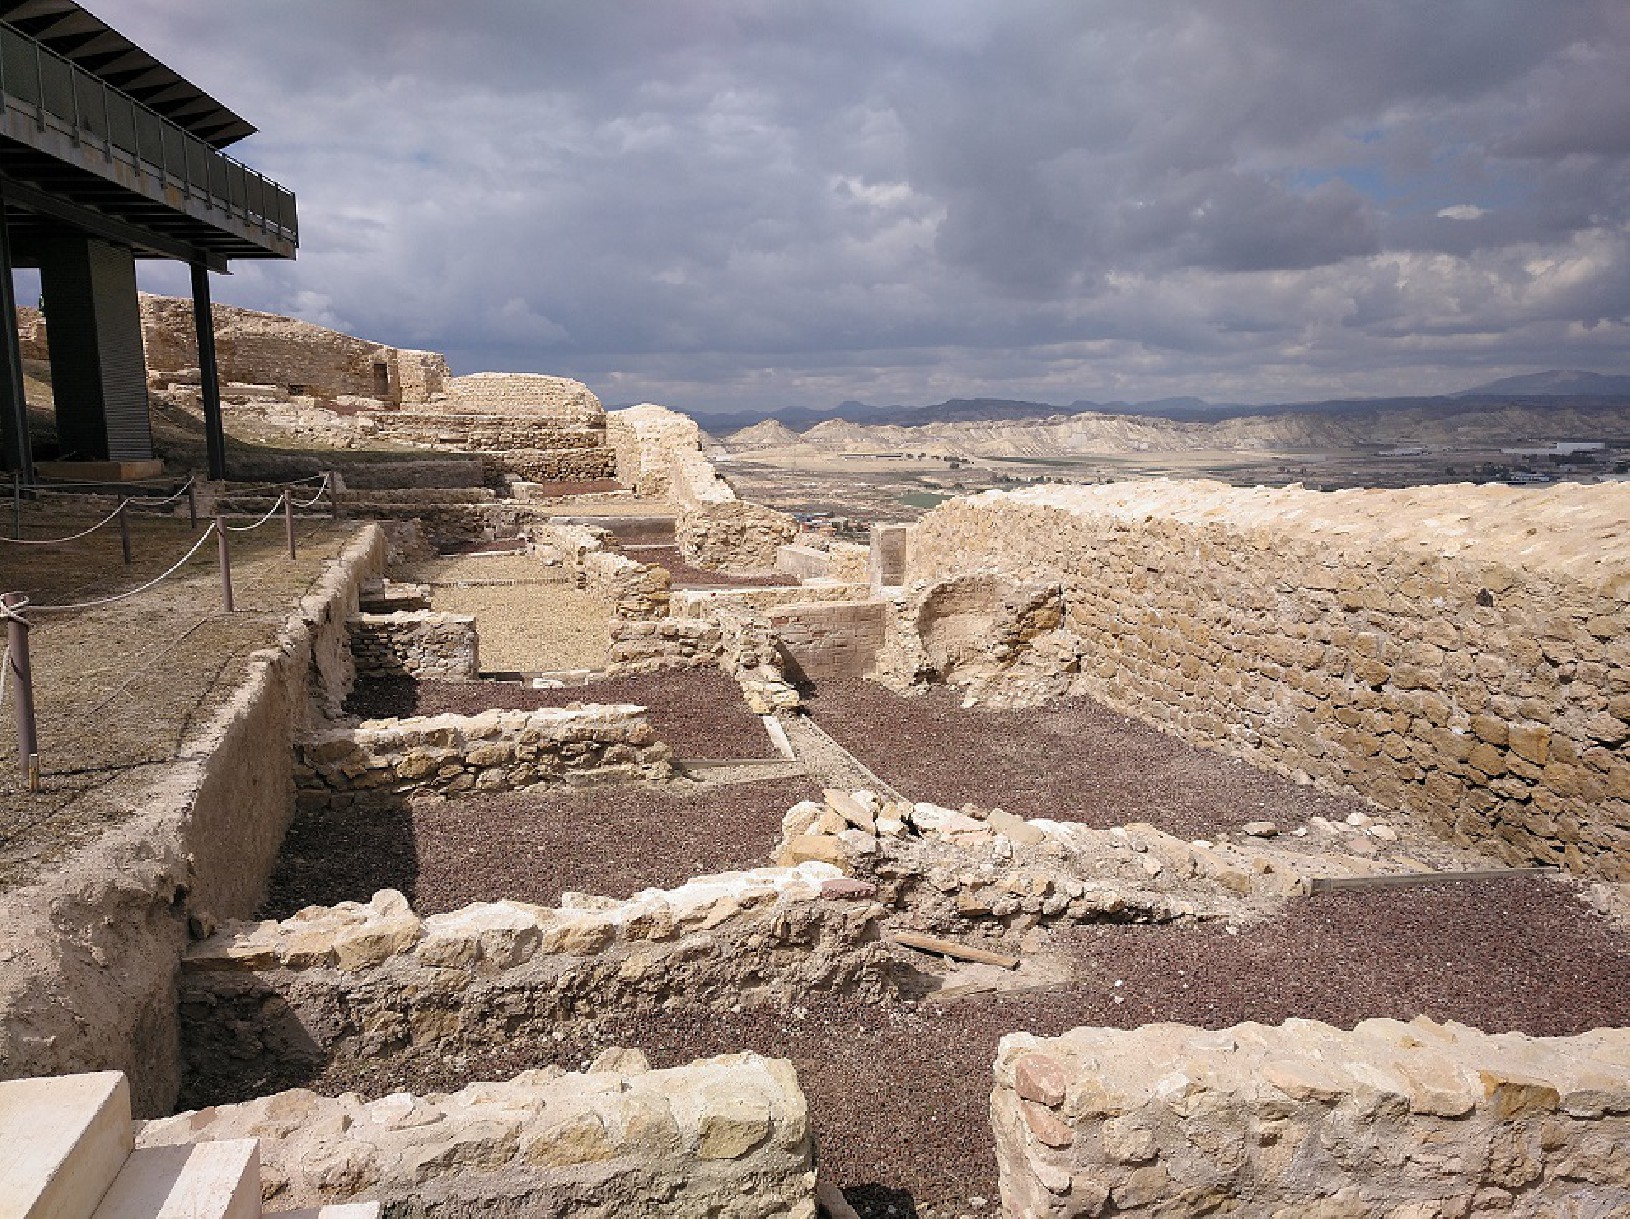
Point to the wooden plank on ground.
(950, 948)
(1408, 880)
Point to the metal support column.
(18, 452)
(208, 375)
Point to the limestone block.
(1423, 1114)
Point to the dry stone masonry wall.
(419, 643)
(298, 358)
(727, 1137)
(372, 981)
(1463, 652)
(490, 752)
(1393, 1120)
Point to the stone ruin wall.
(1406, 1121)
(254, 348)
(416, 643)
(493, 751)
(727, 1137)
(376, 982)
(659, 456)
(1462, 652)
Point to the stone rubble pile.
(991, 873)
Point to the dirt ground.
(119, 687)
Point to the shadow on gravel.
(880, 1202)
(345, 855)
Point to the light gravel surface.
(531, 628)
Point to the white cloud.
(1462, 211)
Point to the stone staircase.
(67, 1151)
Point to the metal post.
(209, 378)
(124, 529)
(192, 502)
(334, 495)
(16, 504)
(22, 699)
(224, 548)
(288, 519)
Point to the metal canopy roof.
(68, 29)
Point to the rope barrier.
(72, 537)
(321, 491)
(270, 513)
(179, 563)
(232, 492)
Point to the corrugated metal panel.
(98, 371)
(124, 367)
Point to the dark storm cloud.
(747, 202)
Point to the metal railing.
(60, 94)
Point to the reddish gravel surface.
(699, 712)
(530, 846)
(1071, 761)
(682, 575)
(900, 1095)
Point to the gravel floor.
(531, 628)
(530, 846)
(699, 712)
(899, 1095)
(1072, 761)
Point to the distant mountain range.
(1557, 384)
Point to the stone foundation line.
(725, 1136)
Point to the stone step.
(334, 1210)
(62, 1141)
(219, 1180)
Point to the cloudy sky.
(753, 203)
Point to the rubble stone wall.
(264, 349)
(659, 455)
(418, 643)
(372, 981)
(653, 645)
(1462, 652)
(830, 639)
(733, 535)
(728, 1137)
(493, 751)
(1406, 1121)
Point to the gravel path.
(1071, 761)
(530, 846)
(899, 1095)
(530, 628)
(699, 712)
